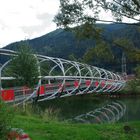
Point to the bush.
(6, 117)
(50, 114)
(24, 67)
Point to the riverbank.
(39, 129)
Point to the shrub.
(6, 117)
(24, 67)
(50, 114)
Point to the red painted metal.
(26, 90)
(96, 83)
(61, 87)
(88, 82)
(41, 90)
(24, 136)
(76, 83)
(103, 83)
(108, 86)
(67, 84)
(8, 95)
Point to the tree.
(133, 85)
(133, 53)
(101, 52)
(137, 70)
(79, 12)
(123, 8)
(81, 16)
(24, 67)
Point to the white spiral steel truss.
(61, 78)
(109, 113)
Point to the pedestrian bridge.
(58, 78)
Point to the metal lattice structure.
(61, 78)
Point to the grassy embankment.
(52, 130)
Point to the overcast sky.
(20, 19)
(26, 19)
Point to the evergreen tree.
(24, 67)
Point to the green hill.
(61, 43)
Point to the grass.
(52, 130)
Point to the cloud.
(45, 25)
(9, 35)
(26, 18)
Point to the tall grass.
(49, 114)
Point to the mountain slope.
(61, 43)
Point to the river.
(70, 107)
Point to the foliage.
(98, 54)
(30, 110)
(45, 68)
(6, 118)
(132, 52)
(137, 70)
(77, 12)
(72, 57)
(87, 31)
(133, 86)
(123, 8)
(50, 114)
(83, 15)
(24, 67)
